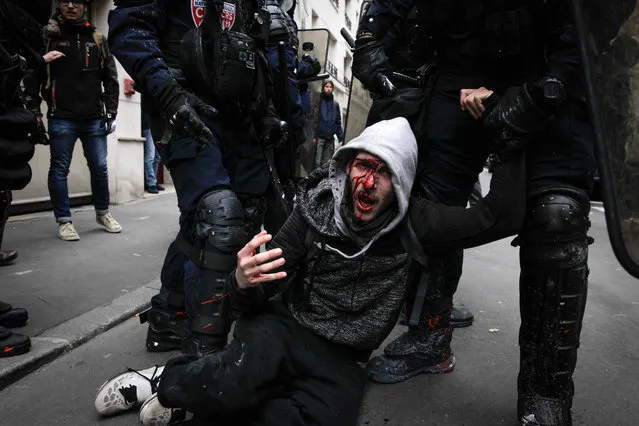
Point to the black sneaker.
(14, 318)
(12, 344)
(160, 187)
(152, 190)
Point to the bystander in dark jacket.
(329, 125)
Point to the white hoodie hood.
(392, 141)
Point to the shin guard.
(553, 286)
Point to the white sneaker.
(110, 224)
(67, 232)
(128, 390)
(153, 413)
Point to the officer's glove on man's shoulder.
(516, 118)
(183, 110)
(369, 60)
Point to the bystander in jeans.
(82, 99)
(329, 125)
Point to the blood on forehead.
(367, 171)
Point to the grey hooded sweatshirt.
(348, 289)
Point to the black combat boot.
(423, 349)
(460, 316)
(12, 344)
(167, 321)
(166, 331)
(12, 318)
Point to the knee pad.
(557, 215)
(219, 227)
(554, 281)
(218, 235)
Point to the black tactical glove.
(273, 131)
(519, 115)
(369, 60)
(183, 109)
(311, 68)
(108, 122)
(39, 136)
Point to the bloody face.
(372, 186)
(72, 10)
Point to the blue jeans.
(151, 159)
(63, 134)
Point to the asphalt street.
(58, 280)
(481, 390)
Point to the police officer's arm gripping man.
(133, 29)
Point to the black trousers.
(274, 372)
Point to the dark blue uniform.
(501, 44)
(219, 186)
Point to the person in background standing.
(78, 108)
(329, 124)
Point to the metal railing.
(347, 83)
(347, 20)
(335, 3)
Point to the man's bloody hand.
(253, 268)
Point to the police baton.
(386, 87)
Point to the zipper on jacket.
(53, 97)
(77, 37)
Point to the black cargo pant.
(274, 372)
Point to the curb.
(58, 340)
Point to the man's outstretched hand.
(253, 267)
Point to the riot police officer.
(174, 49)
(523, 50)
(287, 99)
(20, 46)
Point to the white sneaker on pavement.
(109, 223)
(127, 390)
(153, 413)
(67, 232)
